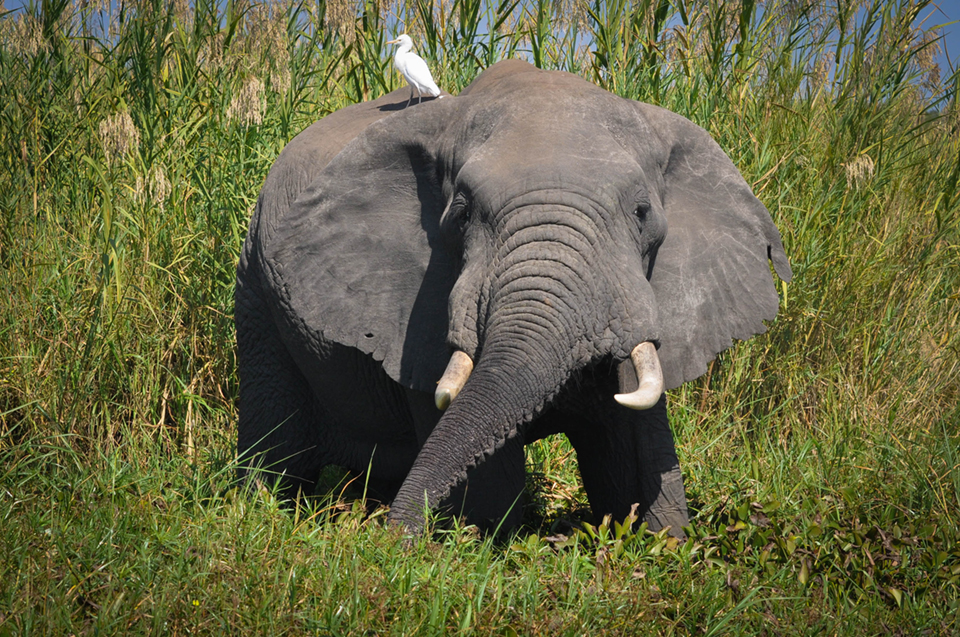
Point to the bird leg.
(410, 101)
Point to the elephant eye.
(455, 218)
(641, 204)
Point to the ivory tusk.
(649, 378)
(453, 379)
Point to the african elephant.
(535, 245)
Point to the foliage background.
(821, 459)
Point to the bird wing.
(418, 74)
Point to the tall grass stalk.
(821, 458)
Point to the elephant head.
(501, 242)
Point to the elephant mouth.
(646, 365)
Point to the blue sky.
(946, 11)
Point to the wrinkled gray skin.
(536, 222)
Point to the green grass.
(821, 458)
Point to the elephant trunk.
(503, 392)
(524, 360)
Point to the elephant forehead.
(510, 165)
(550, 115)
(566, 140)
(521, 121)
(571, 139)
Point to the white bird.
(414, 69)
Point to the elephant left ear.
(359, 260)
(711, 276)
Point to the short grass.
(821, 458)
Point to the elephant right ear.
(359, 260)
(711, 276)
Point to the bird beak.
(393, 41)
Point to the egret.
(414, 69)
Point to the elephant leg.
(277, 436)
(630, 459)
(423, 413)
